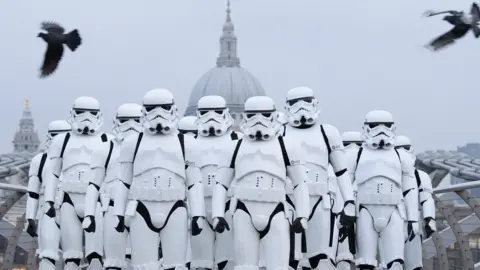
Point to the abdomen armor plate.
(260, 172)
(379, 177)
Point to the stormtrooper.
(352, 141)
(69, 157)
(103, 181)
(321, 146)
(387, 194)
(47, 230)
(158, 170)
(413, 247)
(188, 126)
(260, 163)
(214, 135)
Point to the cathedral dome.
(228, 79)
(235, 84)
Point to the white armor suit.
(413, 247)
(387, 194)
(214, 135)
(103, 181)
(260, 163)
(320, 146)
(188, 126)
(48, 231)
(352, 141)
(159, 172)
(70, 155)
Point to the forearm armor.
(338, 161)
(34, 186)
(125, 176)
(300, 190)
(410, 194)
(224, 178)
(51, 180)
(195, 194)
(91, 198)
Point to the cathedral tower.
(26, 138)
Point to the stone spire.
(26, 138)
(228, 44)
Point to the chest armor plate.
(159, 152)
(113, 165)
(314, 149)
(379, 163)
(78, 154)
(211, 149)
(265, 156)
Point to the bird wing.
(449, 37)
(52, 27)
(52, 57)
(430, 13)
(475, 11)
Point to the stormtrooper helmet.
(260, 118)
(85, 116)
(301, 107)
(352, 139)
(127, 121)
(213, 116)
(160, 114)
(188, 125)
(379, 130)
(403, 143)
(56, 127)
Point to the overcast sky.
(357, 57)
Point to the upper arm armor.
(425, 182)
(34, 165)
(334, 143)
(408, 172)
(193, 153)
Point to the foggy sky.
(357, 57)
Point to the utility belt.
(79, 187)
(157, 194)
(259, 194)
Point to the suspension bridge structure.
(455, 178)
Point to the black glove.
(32, 228)
(92, 226)
(347, 217)
(297, 225)
(410, 231)
(196, 230)
(222, 225)
(429, 230)
(121, 224)
(51, 210)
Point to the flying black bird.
(55, 37)
(462, 24)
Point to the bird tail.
(73, 40)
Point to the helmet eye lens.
(407, 147)
(304, 99)
(126, 119)
(149, 108)
(267, 114)
(219, 112)
(166, 107)
(372, 125)
(250, 115)
(80, 111)
(53, 134)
